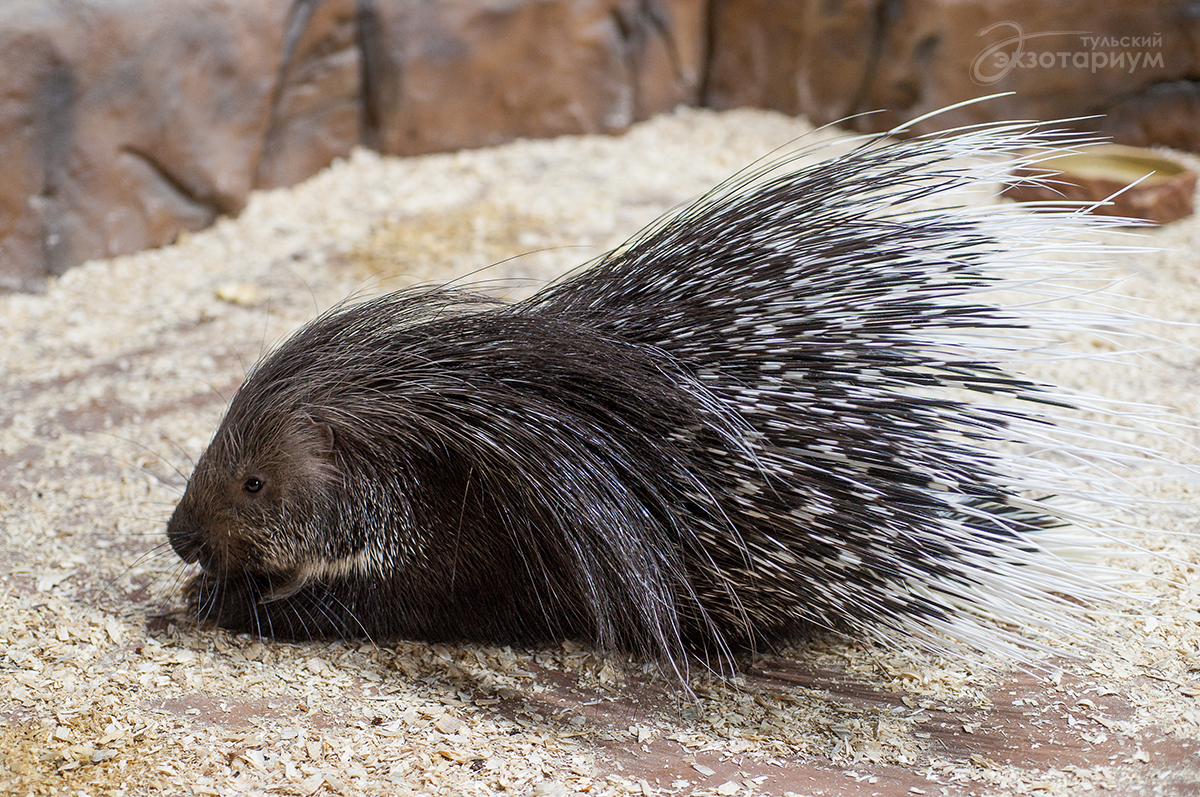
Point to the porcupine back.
(840, 326)
(744, 425)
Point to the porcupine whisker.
(144, 469)
(304, 616)
(255, 605)
(141, 559)
(317, 609)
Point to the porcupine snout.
(186, 536)
(199, 537)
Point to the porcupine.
(745, 425)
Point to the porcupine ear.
(322, 450)
(323, 433)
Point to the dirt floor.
(114, 380)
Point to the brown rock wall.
(462, 73)
(34, 120)
(316, 110)
(126, 121)
(126, 127)
(831, 61)
(123, 122)
(796, 56)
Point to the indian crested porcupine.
(788, 408)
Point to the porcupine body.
(745, 425)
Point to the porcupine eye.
(254, 488)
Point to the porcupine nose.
(185, 535)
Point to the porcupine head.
(257, 500)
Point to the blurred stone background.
(124, 122)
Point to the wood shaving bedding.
(115, 378)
